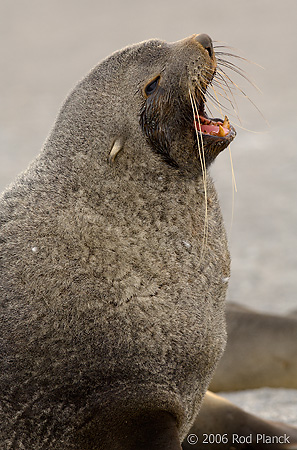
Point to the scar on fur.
(116, 148)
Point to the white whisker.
(203, 168)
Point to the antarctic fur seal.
(114, 260)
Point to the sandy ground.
(47, 46)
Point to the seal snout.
(206, 42)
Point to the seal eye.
(151, 87)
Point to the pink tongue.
(212, 129)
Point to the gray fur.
(108, 304)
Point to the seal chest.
(115, 260)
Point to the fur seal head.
(159, 91)
(173, 115)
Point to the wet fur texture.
(107, 309)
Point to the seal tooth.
(221, 131)
(226, 123)
(203, 120)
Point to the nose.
(206, 42)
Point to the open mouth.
(216, 128)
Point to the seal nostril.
(210, 51)
(206, 42)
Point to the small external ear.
(115, 149)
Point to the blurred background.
(46, 46)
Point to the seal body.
(112, 293)
(261, 345)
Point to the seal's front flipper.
(119, 430)
(155, 431)
(222, 425)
